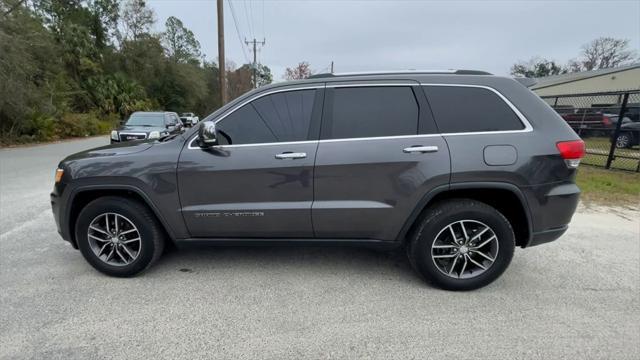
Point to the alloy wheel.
(465, 249)
(114, 239)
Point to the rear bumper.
(552, 206)
(547, 236)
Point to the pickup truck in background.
(189, 119)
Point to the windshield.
(137, 119)
(186, 114)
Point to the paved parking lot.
(576, 298)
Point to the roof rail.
(396, 72)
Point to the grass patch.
(608, 186)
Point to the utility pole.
(221, 67)
(255, 65)
(332, 67)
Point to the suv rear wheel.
(118, 236)
(461, 244)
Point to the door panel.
(245, 191)
(372, 167)
(366, 189)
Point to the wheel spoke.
(444, 256)
(464, 231)
(453, 265)
(485, 242)
(464, 266)
(126, 249)
(130, 241)
(116, 223)
(483, 255)
(99, 239)
(477, 264)
(113, 248)
(128, 231)
(445, 246)
(106, 220)
(102, 249)
(453, 234)
(99, 230)
(120, 255)
(478, 235)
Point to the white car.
(189, 119)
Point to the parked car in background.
(189, 119)
(632, 111)
(457, 167)
(143, 125)
(629, 135)
(587, 122)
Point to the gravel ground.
(576, 298)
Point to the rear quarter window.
(468, 109)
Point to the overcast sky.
(396, 35)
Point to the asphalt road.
(576, 298)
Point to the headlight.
(154, 135)
(114, 135)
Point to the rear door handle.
(291, 155)
(420, 149)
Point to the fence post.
(623, 110)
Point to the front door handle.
(420, 149)
(291, 155)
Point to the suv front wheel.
(118, 236)
(461, 244)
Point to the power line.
(249, 24)
(235, 22)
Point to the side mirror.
(207, 134)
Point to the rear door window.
(370, 111)
(460, 109)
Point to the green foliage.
(76, 67)
(536, 68)
(181, 43)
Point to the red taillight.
(571, 152)
(571, 149)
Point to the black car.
(457, 167)
(147, 125)
(629, 135)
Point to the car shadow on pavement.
(321, 261)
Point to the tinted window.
(150, 119)
(372, 112)
(468, 109)
(287, 114)
(244, 126)
(278, 117)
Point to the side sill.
(368, 243)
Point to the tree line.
(78, 67)
(600, 53)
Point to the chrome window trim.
(275, 91)
(520, 115)
(523, 119)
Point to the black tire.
(436, 219)
(151, 234)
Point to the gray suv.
(457, 167)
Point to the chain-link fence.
(608, 123)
